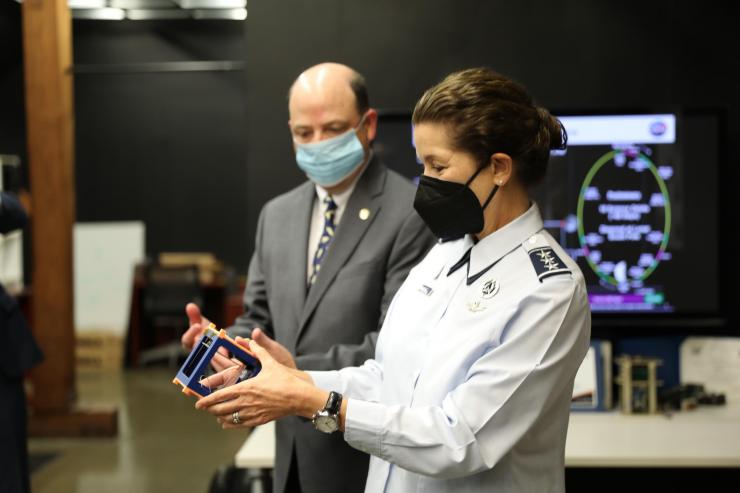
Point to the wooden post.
(47, 46)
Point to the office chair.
(166, 291)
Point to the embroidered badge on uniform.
(547, 263)
(490, 289)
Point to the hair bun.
(485, 113)
(556, 136)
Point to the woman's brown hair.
(489, 113)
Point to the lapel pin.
(364, 214)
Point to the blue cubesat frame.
(192, 371)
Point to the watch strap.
(333, 403)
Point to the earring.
(501, 182)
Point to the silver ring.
(235, 418)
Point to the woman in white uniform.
(472, 379)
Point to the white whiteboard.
(11, 252)
(11, 261)
(105, 254)
(714, 362)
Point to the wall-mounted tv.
(633, 199)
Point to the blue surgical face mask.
(330, 161)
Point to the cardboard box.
(98, 351)
(209, 267)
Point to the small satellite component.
(192, 373)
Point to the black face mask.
(450, 209)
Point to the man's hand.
(198, 323)
(279, 352)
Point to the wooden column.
(47, 46)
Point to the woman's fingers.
(221, 395)
(245, 421)
(213, 381)
(224, 377)
(221, 360)
(268, 396)
(262, 354)
(224, 408)
(277, 351)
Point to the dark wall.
(12, 107)
(196, 155)
(12, 111)
(166, 147)
(570, 54)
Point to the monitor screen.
(633, 200)
(394, 145)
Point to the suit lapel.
(296, 254)
(349, 233)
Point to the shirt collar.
(481, 256)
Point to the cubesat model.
(191, 374)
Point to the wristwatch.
(327, 419)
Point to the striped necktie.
(327, 236)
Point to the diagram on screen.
(624, 219)
(634, 200)
(612, 208)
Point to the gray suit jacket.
(335, 323)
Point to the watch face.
(326, 423)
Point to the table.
(258, 450)
(707, 437)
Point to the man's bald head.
(339, 79)
(327, 101)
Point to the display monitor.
(633, 199)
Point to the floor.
(163, 443)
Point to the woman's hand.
(224, 378)
(277, 391)
(279, 352)
(193, 335)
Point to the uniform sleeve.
(506, 391)
(257, 309)
(360, 382)
(412, 243)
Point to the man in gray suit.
(329, 257)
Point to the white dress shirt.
(472, 379)
(317, 218)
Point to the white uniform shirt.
(472, 379)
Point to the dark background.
(196, 154)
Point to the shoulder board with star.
(545, 261)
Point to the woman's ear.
(503, 168)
